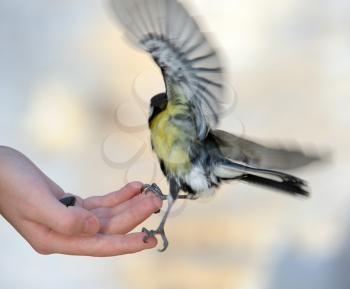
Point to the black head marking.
(158, 104)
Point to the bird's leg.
(155, 190)
(160, 231)
(158, 192)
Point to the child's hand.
(96, 226)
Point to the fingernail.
(90, 226)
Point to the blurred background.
(73, 98)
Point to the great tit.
(194, 156)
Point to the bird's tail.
(228, 170)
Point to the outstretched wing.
(186, 58)
(260, 156)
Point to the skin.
(95, 226)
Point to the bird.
(194, 155)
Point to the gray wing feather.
(187, 59)
(246, 151)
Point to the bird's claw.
(155, 190)
(151, 233)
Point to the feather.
(165, 29)
(246, 151)
(228, 170)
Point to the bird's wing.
(186, 58)
(261, 156)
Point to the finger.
(105, 215)
(65, 220)
(114, 198)
(103, 212)
(132, 216)
(99, 245)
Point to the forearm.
(5, 153)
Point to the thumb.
(67, 220)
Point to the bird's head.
(158, 104)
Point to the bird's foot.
(151, 233)
(155, 190)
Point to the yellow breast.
(170, 142)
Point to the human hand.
(95, 226)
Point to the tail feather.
(285, 186)
(280, 157)
(287, 183)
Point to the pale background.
(65, 69)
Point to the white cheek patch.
(151, 110)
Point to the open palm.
(95, 226)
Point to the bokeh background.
(73, 97)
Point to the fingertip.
(114, 198)
(150, 243)
(128, 191)
(135, 186)
(157, 202)
(146, 206)
(134, 242)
